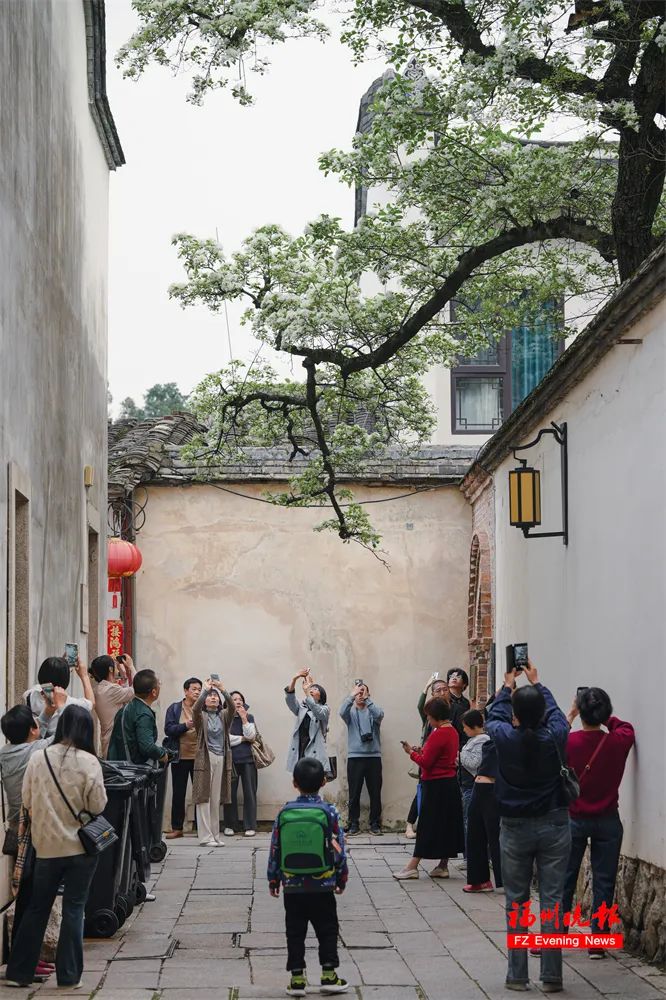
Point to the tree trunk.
(640, 182)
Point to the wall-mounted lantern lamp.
(525, 489)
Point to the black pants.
(319, 909)
(413, 813)
(180, 772)
(247, 774)
(368, 769)
(483, 829)
(76, 873)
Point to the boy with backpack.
(307, 857)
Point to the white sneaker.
(250, 833)
(219, 842)
(229, 832)
(207, 843)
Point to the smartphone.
(215, 677)
(579, 691)
(516, 657)
(72, 653)
(435, 676)
(120, 658)
(358, 682)
(47, 691)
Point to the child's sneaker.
(297, 985)
(331, 982)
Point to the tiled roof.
(149, 451)
(428, 464)
(136, 448)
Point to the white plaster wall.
(594, 612)
(249, 591)
(53, 309)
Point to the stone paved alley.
(214, 933)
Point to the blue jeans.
(76, 873)
(605, 836)
(545, 840)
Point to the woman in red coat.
(440, 828)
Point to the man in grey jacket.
(364, 756)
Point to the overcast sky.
(220, 167)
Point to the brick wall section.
(479, 491)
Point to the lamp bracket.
(559, 432)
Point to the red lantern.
(123, 558)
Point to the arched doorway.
(479, 615)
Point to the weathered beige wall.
(250, 591)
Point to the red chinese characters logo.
(521, 916)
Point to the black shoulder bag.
(97, 834)
(568, 778)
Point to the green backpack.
(305, 840)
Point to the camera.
(366, 737)
(516, 657)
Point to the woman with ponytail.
(530, 735)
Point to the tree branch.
(555, 229)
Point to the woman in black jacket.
(241, 735)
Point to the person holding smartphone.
(435, 688)
(363, 719)
(308, 737)
(530, 733)
(54, 672)
(110, 694)
(599, 759)
(440, 830)
(213, 713)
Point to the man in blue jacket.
(530, 733)
(364, 756)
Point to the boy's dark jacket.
(336, 878)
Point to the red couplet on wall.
(114, 638)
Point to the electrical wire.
(360, 503)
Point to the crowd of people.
(490, 785)
(496, 782)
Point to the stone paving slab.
(419, 940)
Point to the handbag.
(262, 754)
(414, 772)
(97, 833)
(332, 772)
(25, 857)
(10, 843)
(568, 778)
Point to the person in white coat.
(311, 726)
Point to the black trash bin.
(158, 847)
(112, 897)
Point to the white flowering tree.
(480, 209)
